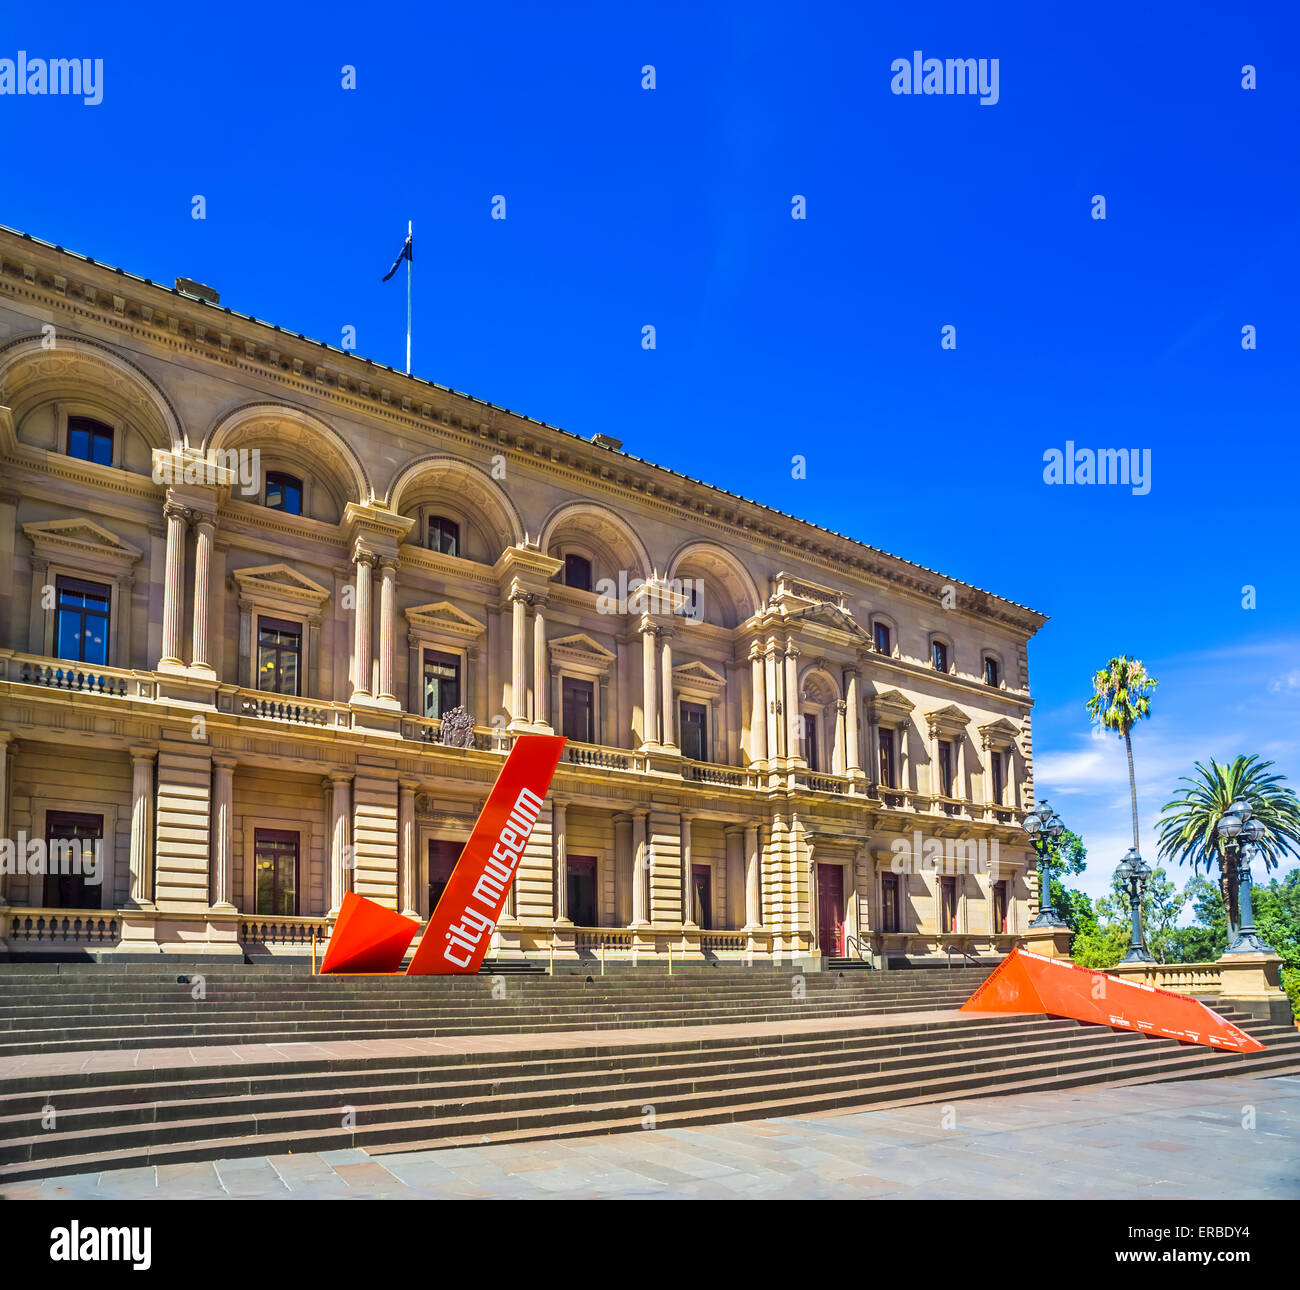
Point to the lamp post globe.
(1242, 834)
(1044, 826)
(1133, 872)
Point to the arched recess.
(730, 595)
(822, 739)
(91, 379)
(464, 492)
(302, 444)
(590, 527)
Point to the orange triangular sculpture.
(1025, 982)
(367, 937)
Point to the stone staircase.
(813, 1057)
(65, 1008)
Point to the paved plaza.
(1229, 1138)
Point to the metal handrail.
(964, 953)
(864, 951)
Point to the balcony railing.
(599, 756)
(706, 772)
(72, 677)
(295, 930)
(55, 928)
(817, 783)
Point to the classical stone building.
(243, 575)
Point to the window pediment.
(282, 586)
(999, 733)
(442, 618)
(79, 540)
(891, 705)
(949, 720)
(581, 653)
(698, 677)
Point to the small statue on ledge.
(458, 728)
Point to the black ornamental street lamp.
(1240, 834)
(1133, 872)
(1044, 826)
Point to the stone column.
(8, 747)
(852, 713)
(669, 719)
(753, 879)
(839, 761)
(793, 718)
(687, 885)
(649, 684)
(406, 843)
(518, 659)
(758, 715)
(735, 884)
(623, 865)
(204, 530)
(640, 869)
(541, 669)
(340, 813)
(246, 675)
(174, 583)
(773, 701)
(361, 657)
(560, 872)
(223, 832)
(142, 799)
(125, 589)
(387, 625)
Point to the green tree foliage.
(1188, 832)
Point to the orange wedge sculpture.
(370, 938)
(1025, 982)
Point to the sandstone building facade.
(244, 575)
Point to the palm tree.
(1120, 699)
(1188, 830)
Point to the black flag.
(403, 254)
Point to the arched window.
(577, 571)
(90, 440)
(940, 655)
(283, 492)
(443, 535)
(992, 671)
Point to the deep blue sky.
(775, 337)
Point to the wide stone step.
(799, 1088)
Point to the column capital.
(199, 518)
(142, 752)
(335, 778)
(362, 554)
(409, 785)
(852, 669)
(223, 761)
(174, 510)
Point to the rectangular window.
(948, 904)
(945, 768)
(883, 644)
(811, 753)
(999, 774)
(695, 731)
(275, 860)
(577, 572)
(702, 895)
(81, 621)
(1000, 907)
(441, 683)
(90, 440)
(283, 492)
(939, 656)
(889, 902)
(279, 656)
(69, 888)
(887, 767)
(579, 702)
(992, 672)
(444, 535)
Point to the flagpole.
(408, 301)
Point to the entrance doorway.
(443, 854)
(701, 895)
(582, 890)
(830, 909)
